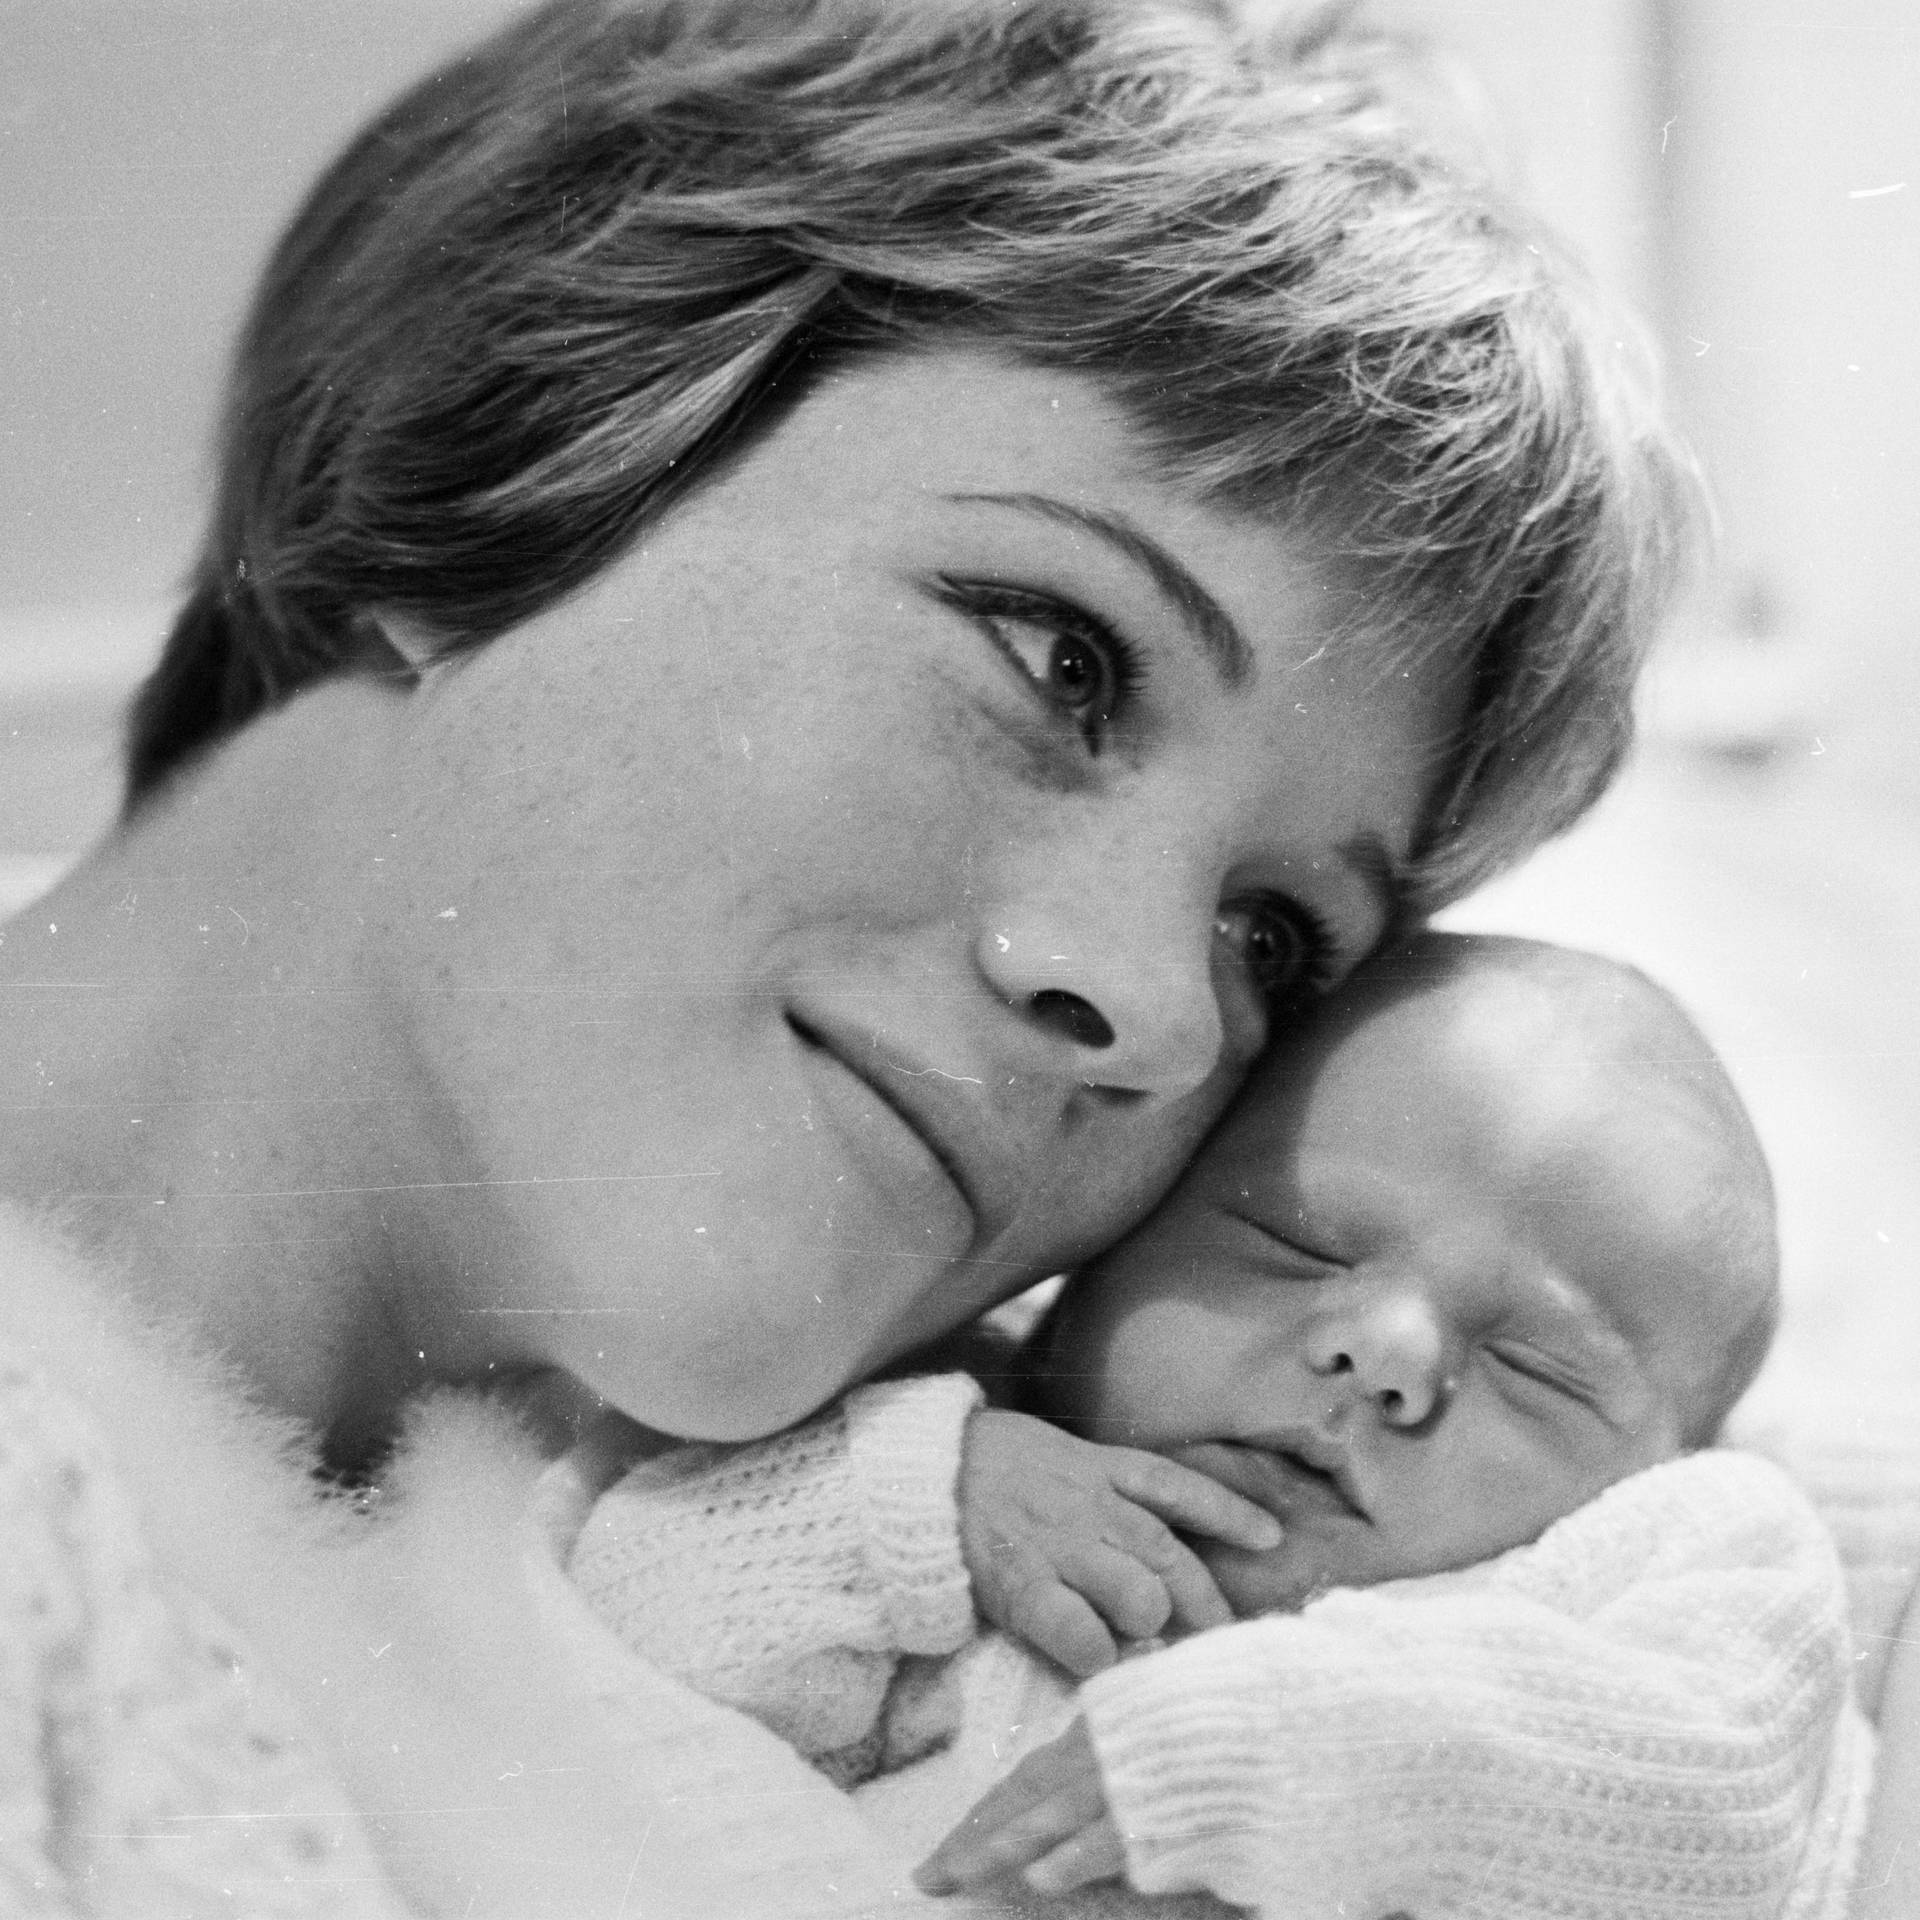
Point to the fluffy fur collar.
(440, 1676)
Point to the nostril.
(1080, 1020)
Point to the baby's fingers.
(1056, 1621)
(1094, 1853)
(1052, 1796)
(1193, 1502)
(1194, 1599)
(1142, 1577)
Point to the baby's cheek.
(1280, 1581)
(1102, 1390)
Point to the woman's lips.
(1287, 1476)
(889, 1134)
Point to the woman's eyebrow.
(1224, 645)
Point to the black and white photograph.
(960, 957)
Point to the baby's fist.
(1070, 1545)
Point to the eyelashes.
(1077, 664)
(1313, 1262)
(1542, 1376)
(1283, 947)
(1088, 675)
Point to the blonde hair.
(561, 280)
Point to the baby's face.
(1414, 1300)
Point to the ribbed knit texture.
(786, 1577)
(1644, 1716)
(904, 1442)
(1863, 1477)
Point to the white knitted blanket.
(1646, 1714)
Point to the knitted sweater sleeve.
(786, 1577)
(1645, 1713)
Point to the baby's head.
(1489, 1233)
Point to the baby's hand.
(1069, 1544)
(1048, 1816)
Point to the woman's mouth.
(890, 1123)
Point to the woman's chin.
(758, 1381)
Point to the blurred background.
(1745, 173)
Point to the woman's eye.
(1077, 664)
(1282, 948)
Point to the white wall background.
(149, 151)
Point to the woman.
(815, 621)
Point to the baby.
(1486, 1238)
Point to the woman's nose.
(1134, 1012)
(1391, 1347)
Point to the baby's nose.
(1393, 1349)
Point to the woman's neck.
(200, 1076)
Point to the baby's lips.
(1274, 1481)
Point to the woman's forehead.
(954, 421)
(959, 422)
(1017, 462)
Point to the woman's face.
(858, 900)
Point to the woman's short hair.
(562, 279)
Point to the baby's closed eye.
(1537, 1375)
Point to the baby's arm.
(786, 1576)
(1647, 1708)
